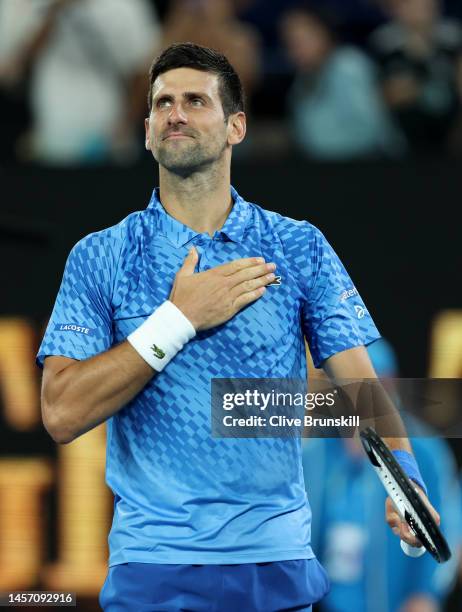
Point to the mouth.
(176, 136)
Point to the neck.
(202, 201)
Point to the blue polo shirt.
(181, 496)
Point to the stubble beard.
(189, 157)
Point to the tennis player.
(201, 284)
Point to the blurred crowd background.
(355, 123)
(338, 79)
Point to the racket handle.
(412, 551)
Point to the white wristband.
(162, 335)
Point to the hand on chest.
(147, 280)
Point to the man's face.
(306, 41)
(186, 129)
(414, 13)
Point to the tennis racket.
(407, 501)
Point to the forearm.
(398, 444)
(378, 405)
(368, 397)
(86, 393)
(35, 43)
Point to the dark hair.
(323, 15)
(190, 55)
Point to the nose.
(177, 115)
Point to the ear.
(236, 128)
(147, 142)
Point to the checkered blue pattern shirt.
(182, 496)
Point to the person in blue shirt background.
(335, 107)
(366, 566)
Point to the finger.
(251, 273)
(392, 517)
(408, 536)
(238, 264)
(189, 263)
(436, 517)
(251, 285)
(431, 509)
(402, 530)
(399, 527)
(394, 522)
(247, 298)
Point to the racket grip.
(412, 551)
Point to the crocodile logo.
(158, 352)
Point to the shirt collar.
(178, 234)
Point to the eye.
(163, 103)
(197, 102)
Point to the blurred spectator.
(336, 110)
(213, 23)
(87, 61)
(14, 117)
(420, 55)
(459, 590)
(367, 568)
(14, 107)
(264, 16)
(355, 17)
(460, 553)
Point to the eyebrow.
(188, 95)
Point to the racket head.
(402, 492)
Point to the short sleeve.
(334, 317)
(81, 322)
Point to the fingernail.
(260, 259)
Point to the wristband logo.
(276, 282)
(158, 352)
